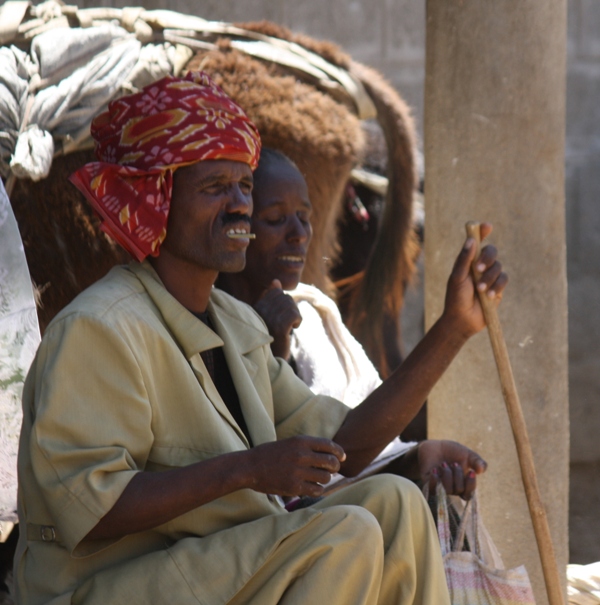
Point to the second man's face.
(281, 222)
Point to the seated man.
(306, 324)
(159, 429)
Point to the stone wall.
(583, 257)
(390, 36)
(386, 34)
(494, 148)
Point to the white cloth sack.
(477, 576)
(19, 339)
(583, 584)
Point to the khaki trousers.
(413, 570)
(373, 543)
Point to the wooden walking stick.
(517, 422)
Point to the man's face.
(281, 222)
(210, 199)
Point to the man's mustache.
(235, 217)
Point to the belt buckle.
(47, 533)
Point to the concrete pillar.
(494, 150)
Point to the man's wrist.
(453, 329)
(412, 465)
(240, 473)
(407, 465)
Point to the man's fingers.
(273, 293)
(290, 313)
(447, 478)
(497, 288)
(273, 286)
(327, 446)
(296, 466)
(308, 488)
(315, 475)
(327, 462)
(487, 258)
(470, 485)
(462, 265)
(493, 281)
(458, 478)
(477, 463)
(278, 309)
(488, 278)
(433, 480)
(485, 229)
(491, 277)
(283, 303)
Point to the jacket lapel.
(191, 334)
(239, 340)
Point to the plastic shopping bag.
(477, 576)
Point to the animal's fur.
(321, 136)
(373, 298)
(66, 252)
(376, 301)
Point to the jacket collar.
(193, 337)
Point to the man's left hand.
(455, 465)
(281, 315)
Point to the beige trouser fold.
(374, 543)
(413, 570)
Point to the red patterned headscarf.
(143, 138)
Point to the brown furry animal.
(373, 298)
(66, 252)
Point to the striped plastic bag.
(477, 576)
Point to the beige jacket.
(118, 386)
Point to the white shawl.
(328, 358)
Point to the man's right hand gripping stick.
(519, 429)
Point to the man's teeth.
(233, 233)
(292, 259)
